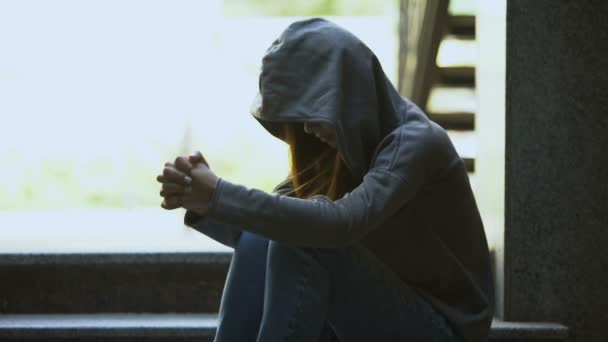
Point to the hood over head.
(319, 72)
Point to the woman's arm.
(398, 172)
(315, 222)
(225, 233)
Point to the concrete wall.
(556, 204)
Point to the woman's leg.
(349, 287)
(242, 302)
(240, 310)
(296, 295)
(370, 302)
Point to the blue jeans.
(278, 292)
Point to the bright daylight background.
(95, 96)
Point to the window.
(96, 95)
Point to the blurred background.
(95, 96)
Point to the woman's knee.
(286, 252)
(251, 245)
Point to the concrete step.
(108, 327)
(462, 25)
(456, 76)
(505, 331)
(457, 121)
(192, 327)
(112, 282)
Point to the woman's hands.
(188, 183)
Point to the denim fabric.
(279, 292)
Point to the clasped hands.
(188, 183)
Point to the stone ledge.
(107, 325)
(524, 331)
(167, 325)
(72, 283)
(210, 257)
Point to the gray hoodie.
(413, 207)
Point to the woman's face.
(321, 130)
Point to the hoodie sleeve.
(398, 171)
(222, 232)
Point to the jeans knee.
(325, 256)
(251, 245)
(282, 249)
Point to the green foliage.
(130, 180)
(253, 8)
(306, 8)
(127, 183)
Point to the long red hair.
(316, 168)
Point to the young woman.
(374, 236)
